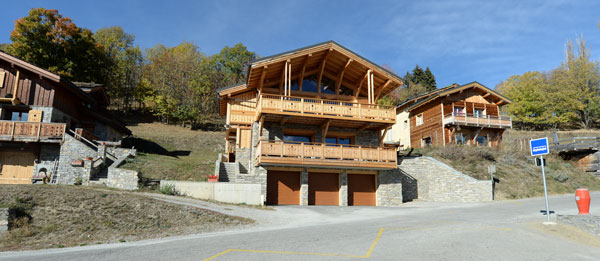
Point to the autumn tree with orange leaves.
(51, 41)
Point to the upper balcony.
(321, 154)
(351, 114)
(466, 119)
(32, 131)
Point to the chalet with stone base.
(57, 131)
(307, 127)
(458, 114)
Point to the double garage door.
(16, 167)
(283, 188)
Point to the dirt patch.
(63, 216)
(569, 232)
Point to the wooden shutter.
(35, 116)
(2, 74)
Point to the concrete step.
(228, 172)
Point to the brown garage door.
(323, 189)
(16, 167)
(283, 188)
(361, 190)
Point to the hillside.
(174, 152)
(519, 177)
(63, 216)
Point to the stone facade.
(389, 188)
(344, 188)
(588, 223)
(122, 178)
(436, 181)
(106, 133)
(3, 220)
(49, 154)
(46, 112)
(74, 150)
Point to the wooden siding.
(432, 125)
(242, 108)
(31, 89)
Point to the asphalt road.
(502, 230)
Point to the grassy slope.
(519, 177)
(72, 215)
(173, 152)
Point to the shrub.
(168, 189)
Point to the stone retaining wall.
(73, 150)
(3, 220)
(588, 223)
(122, 178)
(436, 181)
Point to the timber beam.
(364, 127)
(324, 130)
(322, 68)
(301, 79)
(339, 81)
(381, 89)
(284, 120)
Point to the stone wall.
(49, 153)
(46, 112)
(588, 223)
(122, 178)
(389, 188)
(3, 220)
(106, 133)
(437, 181)
(72, 150)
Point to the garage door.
(323, 189)
(283, 188)
(361, 190)
(16, 167)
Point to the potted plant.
(213, 178)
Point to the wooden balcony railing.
(313, 107)
(32, 131)
(478, 120)
(321, 154)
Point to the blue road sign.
(539, 146)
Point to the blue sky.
(461, 41)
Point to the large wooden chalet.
(458, 114)
(306, 125)
(49, 125)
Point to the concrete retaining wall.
(437, 181)
(249, 194)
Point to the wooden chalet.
(308, 111)
(38, 110)
(458, 114)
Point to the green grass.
(173, 152)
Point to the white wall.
(249, 194)
(401, 131)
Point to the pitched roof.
(430, 96)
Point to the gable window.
(420, 119)
(327, 85)
(309, 84)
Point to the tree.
(418, 76)
(49, 40)
(124, 62)
(528, 93)
(4, 47)
(429, 80)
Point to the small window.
(420, 119)
(460, 111)
(405, 124)
(426, 142)
(19, 116)
(460, 139)
(482, 140)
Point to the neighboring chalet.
(53, 129)
(306, 125)
(457, 114)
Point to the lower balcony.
(32, 131)
(465, 119)
(321, 154)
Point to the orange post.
(582, 197)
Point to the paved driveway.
(504, 230)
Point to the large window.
(296, 138)
(327, 85)
(309, 84)
(19, 116)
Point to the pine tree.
(429, 80)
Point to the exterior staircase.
(228, 171)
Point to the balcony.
(463, 119)
(320, 154)
(328, 109)
(32, 131)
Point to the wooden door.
(323, 189)
(361, 190)
(17, 167)
(283, 188)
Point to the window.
(19, 116)
(478, 112)
(426, 142)
(459, 111)
(460, 139)
(482, 140)
(420, 119)
(338, 140)
(327, 85)
(294, 85)
(405, 124)
(309, 84)
(295, 138)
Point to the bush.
(168, 189)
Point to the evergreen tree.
(429, 80)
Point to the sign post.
(492, 170)
(539, 147)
